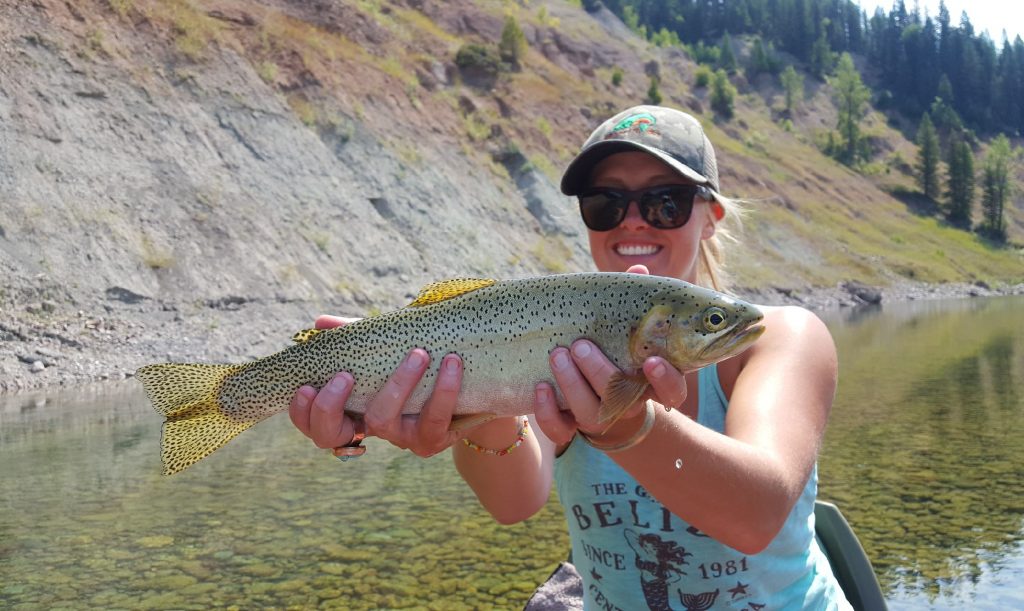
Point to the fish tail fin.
(197, 424)
(622, 391)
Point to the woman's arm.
(512, 487)
(737, 487)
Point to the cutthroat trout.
(503, 330)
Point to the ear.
(708, 228)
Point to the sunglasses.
(664, 207)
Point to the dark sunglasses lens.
(602, 211)
(669, 207)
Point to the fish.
(503, 331)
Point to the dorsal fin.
(436, 292)
(305, 335)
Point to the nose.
(633, 219)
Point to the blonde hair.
(711, 266)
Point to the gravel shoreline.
(49, 340)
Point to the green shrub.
(704, 54)
(616, 76)
(702, 77)
(478, 60)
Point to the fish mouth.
(733, 342)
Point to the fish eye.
(714, 319)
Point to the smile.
(636, 250)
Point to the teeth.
(633, 250)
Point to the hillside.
(196, 180)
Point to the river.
(924, 455)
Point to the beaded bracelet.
(524, 428)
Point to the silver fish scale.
(503, 332)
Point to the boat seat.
(850, 564)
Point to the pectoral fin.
(622, 392)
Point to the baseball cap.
(671, 135)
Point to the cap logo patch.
(634, 125)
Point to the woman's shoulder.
(791, 320)
(794, 339)
(789, 330)
(792, 331)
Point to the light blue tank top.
(632, 552)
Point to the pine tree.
(960, 183)
(793, 84)
(996, 186)
(653, 93)
(928, 158)
(822, 57)
(852, 96)
(762, 59)
(512, 47)
(723, 94)
(727, 60)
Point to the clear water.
(924, 454)
(925, 449)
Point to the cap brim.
(578, 173)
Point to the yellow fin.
(186, 441)
(196, 424)
(305, 335)
(622, 392)
(447, 289)
(468, 421)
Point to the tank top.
(632, 552)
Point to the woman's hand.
(582, 375)
(321, 415)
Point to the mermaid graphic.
(660, 563)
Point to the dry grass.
(304, 110)
(121, 7)
(155, 257)
(552, 254)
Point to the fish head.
(693, 332)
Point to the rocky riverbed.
(49, 339)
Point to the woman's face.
(665, 252)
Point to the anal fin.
(468, 421)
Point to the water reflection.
(923, 454)
(923, 451)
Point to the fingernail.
(658, 371)
(561, 359)
(302, 400)
(543, 394)
(581, 349)
(451, 365)
(338, 384)
(415, 360)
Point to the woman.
(711, 505)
